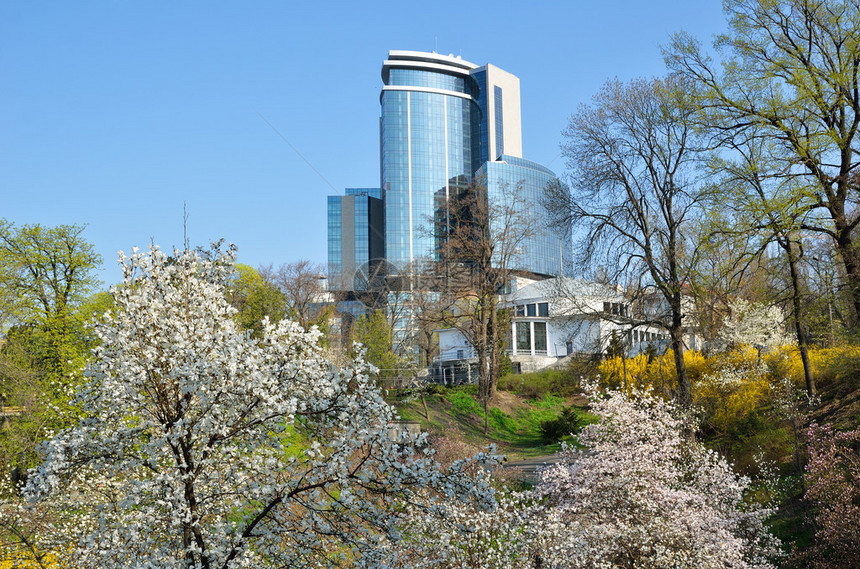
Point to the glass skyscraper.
(355, 236)
(444, 122)
(430, 142)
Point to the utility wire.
(296, 151)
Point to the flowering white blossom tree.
(203, 447)
(754, 324)
(467, 537)
(644, 495)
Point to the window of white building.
(531, 338)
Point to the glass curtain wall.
(428, 146)
(519, 184)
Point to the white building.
(550, 320)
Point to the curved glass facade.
(445, 121)
(546, 250)
(421, 78)
(430, 145)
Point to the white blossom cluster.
(459, 535)
(755, 325)
(645, 495)
(202, 447)
(734, 374)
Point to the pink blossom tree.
(644, 495)
(833, 481)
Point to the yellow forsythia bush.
(829, 365)
(656, 375)
(24, 559)
(735, 404)
(737, 385)
(730, 387)
(722, 397)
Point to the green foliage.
(501, 421)
(48, 270)
(616, 347)
(255, 299)
(568, 422)
(46, 277)
(464, 402)
(375, 334)
(537, 385)
(506, 366)
(518, 429)
(323, 321)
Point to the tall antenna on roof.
(184, 226)
(436, 38)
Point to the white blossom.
(645, 495)
(641, 494)
(753, 324)
(202, 447)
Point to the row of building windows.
(418, 78)
(615, 308)
(499, 121)
(531, 338)
(536, 309)
(645, 337)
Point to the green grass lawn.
(513, 423)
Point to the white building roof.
(561, 288)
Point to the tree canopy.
(204, 447)
(790, 73)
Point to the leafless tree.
(634, 195)
(479, 242)
(301, 285)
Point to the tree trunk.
(850, 255)
(684, 395)
(624, 370)
(799, 328)
(493, 351)
(483, 349)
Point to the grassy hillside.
(514, 421)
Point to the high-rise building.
(430, 142)
(444, 123)
(355, 236)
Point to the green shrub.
(536, 385)
(568, 422)
(464, 402)
(501, 421)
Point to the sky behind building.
(116, 113)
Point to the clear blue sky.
(114, 113)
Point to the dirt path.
(529, 467)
